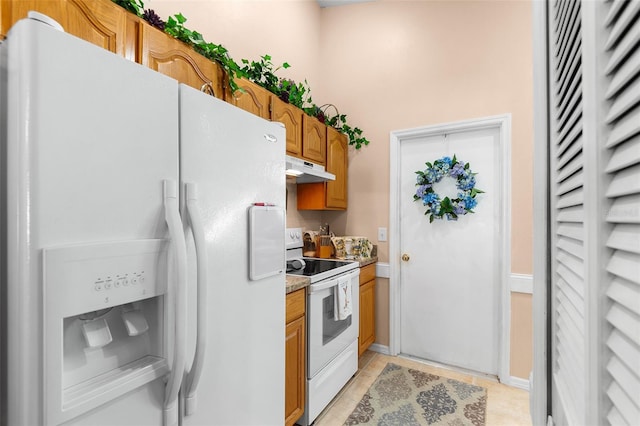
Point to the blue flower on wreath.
(440, 208)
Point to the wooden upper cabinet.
(255, 99)
(173, 58)
(314, 140)
(100, 22)
(291, 117)
(337, 160)
(331, 195)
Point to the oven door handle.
(332, 282)
(323, 285)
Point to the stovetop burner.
(320, 269)
(316, 266)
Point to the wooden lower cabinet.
(367, 333)
(295, 356)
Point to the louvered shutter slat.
(573, 198)
(627, 380)
(571, 214)
(573, 182)
(572, 296)
(625, 210)
(624, 102)
(625, 74)
(573, 263)
(625, 182)
(626, 127)
(616, 7)
(619, 26)
(571, 279)
(625, 155)
(624, 237)
(572, 124)
(628, 411)
(572, 246)
(570, 168)
(625, 350)
(624, 321)
(571, 230)
(623, 49)
(625, 265)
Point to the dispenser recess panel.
(84, 278)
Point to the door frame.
(503, 124)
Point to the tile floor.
(505, 405)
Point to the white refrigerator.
(141, 244)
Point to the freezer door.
(90, 138)
(236, 159)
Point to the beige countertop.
(295, 282)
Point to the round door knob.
(405, 257)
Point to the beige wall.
(393, 65)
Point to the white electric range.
(332, 343)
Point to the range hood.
(306, 171)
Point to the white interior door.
(450, 288)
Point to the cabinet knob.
(405, 257)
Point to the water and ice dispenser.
(105, 316)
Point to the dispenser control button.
(134, 281)
(97, 287)
(126, 282)
(117, 284)
(141, 279)
(108, 285)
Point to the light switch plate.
(382, 234)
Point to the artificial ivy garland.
(438, 208)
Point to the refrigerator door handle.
(197, 228)
(176, 234)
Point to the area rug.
(404, 396)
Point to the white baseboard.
(517, 382)
(382, 269)
(521, 283)
(382, 349)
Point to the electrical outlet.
(382, 234)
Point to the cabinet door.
(314, 140)
(291, 117)
(171, 57)
(337, 164)
(100, 22)
(255, 99)
(367, 316)
(295, 374)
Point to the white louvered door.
(622, 333)
(594, 150)
(567, 186)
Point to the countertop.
(295, 282)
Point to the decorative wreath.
(438, 208)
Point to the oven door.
(327, 336)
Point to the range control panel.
(293, 237)
(84, 278)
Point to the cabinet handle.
(208, 89)
(405, 257)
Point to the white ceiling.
(330, 3)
